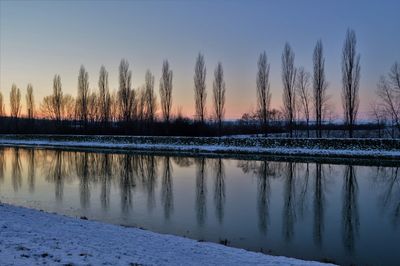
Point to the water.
(347, 214)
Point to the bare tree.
(15, 102)
(303, 91)
(350, 80)
(378, 115)
(114, 110)
(141, 105)
(166, 91)
(104, 96)
(30, 103)
(2, 111)
(125, 93)
(83, 95)
(68, 107)
(200, 88)
(151, 103)
(133, 103)
(389, 95)
(288, 79)
(93, 108)
(46, 107)
(57, 97)
(319, 86)
(263, 90)
(219, 95)
(63, 108)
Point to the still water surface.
(346, 214)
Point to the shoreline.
(34, 237)
(335, 148)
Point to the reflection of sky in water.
(312, 211)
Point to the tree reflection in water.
(16, 169)
(289, 194)
(151, 180)
(167, 194)
(126, 181)
(2, 164)
(264, 171)
(82, 172)
(319, 203)
(31, 169)
(56, 172)
(106, 161)
(183, 161)
(201, 190)
(350, 217)
(304, 176)
(388, 181)
(219, 188)
(263, 196)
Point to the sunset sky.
(39, 39)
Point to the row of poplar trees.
(128, 105)
(309, 92)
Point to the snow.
(31, 237)
(193, 148)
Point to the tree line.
(304, 98)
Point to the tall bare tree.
(151, 101)
(389, 96)
(93, 108)
(104, 100)
(57, 97)
(303, 91)
(15, 102)
(350, 80)
(2, 111)
(83, 95)
(219, 95)
(200, 88)
(166, 91)
(263, 90)
(319, 86)
(30, 103)
(141, 104)
(125, 92)
(289, 79)
(114, 107)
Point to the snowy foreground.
(29, 237)
(342, 148)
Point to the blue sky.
(42, 38)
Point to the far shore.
(245, 145)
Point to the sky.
(39, 39)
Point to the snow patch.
(30, 237)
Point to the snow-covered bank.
(342, 148)
(29, 237)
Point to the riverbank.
(335, 147)
(31, 237)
